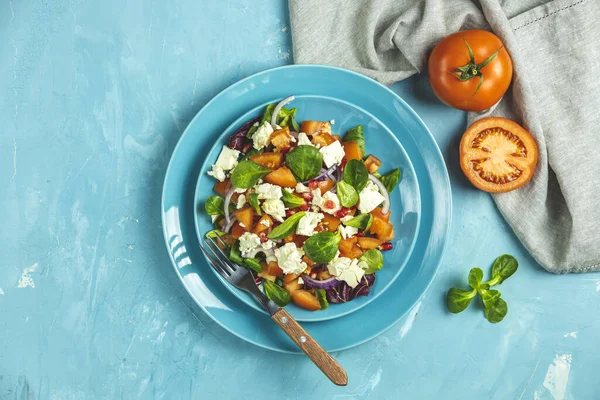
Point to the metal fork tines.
(238, 276)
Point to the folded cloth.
(555, 49)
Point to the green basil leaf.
(253, 264)
(390, 180)
(496, 311)
(457, 300)
(504, 267)
(322, 247)
(374, 260)
(305, 162)
(253, 201)
(356, 174)
(214, 233)
(291, 200)
(279, 295)
(247, 173)
(234, 253)
(362, 221)
(214, 205)
(322, 296)
(287, 227)
(475, 277)
(358, 136)
(346, 193)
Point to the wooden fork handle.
(313, 350)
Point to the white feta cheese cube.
(333, 154)
(369, 198)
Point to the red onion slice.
(229, 224)
(317, 284)
(384, 193)
(226, 204)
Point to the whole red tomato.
(470, 70)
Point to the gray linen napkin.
(555, 48)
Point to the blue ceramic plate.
(179, 213)
(380, 142)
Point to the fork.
(243, 279)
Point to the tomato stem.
(472, 69)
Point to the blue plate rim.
(447, 203)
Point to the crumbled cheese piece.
(217, 173)
(300, 281)
(250, 244)
(347, 231)
(268, 191)
(346, 270)
(300, 188)
(227, 160)
(303, 140)
(369, 198)
(265, 222)
(333, 154)
(241, 201)
(289, 190)
(262, 135)
(275, 208)
(308, 223)
(214, 218)
(243, 225)
(239, 190)
(329, 202)
(332, 121)
(289, 259)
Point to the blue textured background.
(93, 98)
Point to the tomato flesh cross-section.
(497, 155)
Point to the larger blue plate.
(193, 147)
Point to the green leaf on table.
(346, 194)
(457, 300)
(279, 295)
(503, 268)
(475, 277)
(247, 173)
(489, 297)
(287, 227)
(322, 247)
(374, 260)
(390, 180)
(356, 174)
(305, 162)
(497, 311)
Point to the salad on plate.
(305, 209)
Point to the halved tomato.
(498, 155)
